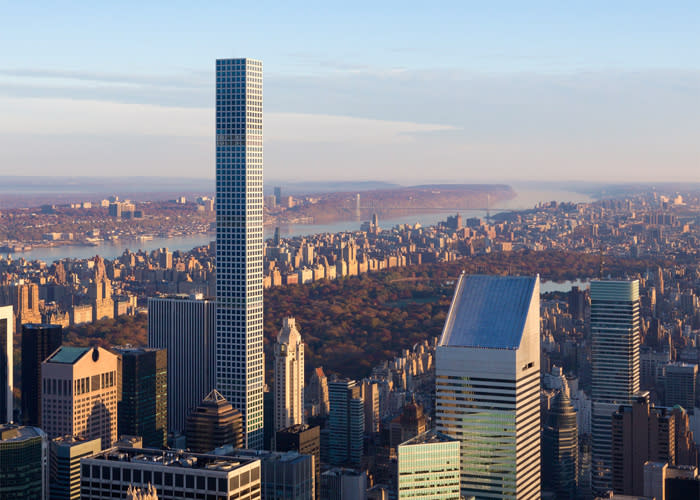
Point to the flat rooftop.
(428, 437)
(172, 458)
(15, 433)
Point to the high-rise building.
(411, 422)
(306, 440)
(24, 299)
(100, 292)
(185, 326)
(214, 423)
(370, 395)
(143, 408)
(175, 475)
(6, 364)
(282, 475)
(577, 303)
(615, 366)
(79, 394)
(64, 469)
(289, 376)
(346, 423)
(560, 449)
(239, 241)
(686, 451)
(488, 385)
(640, 433)
(38, 342)
(679, 384)
(429, 466)
(24, 463)
(316, 393)
(344, 484)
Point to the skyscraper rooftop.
(488, 312)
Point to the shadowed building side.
(560, 449)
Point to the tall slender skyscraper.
(239, 240)
(615, 363)
(488, 385)
(6, 364)
(289, 377)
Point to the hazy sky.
(397, 91)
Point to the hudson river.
(526, 198)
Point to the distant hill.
(317, 187)
(399, 201)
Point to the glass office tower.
(615, 366)
(488, 385)
(239, 241)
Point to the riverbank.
(524, 199)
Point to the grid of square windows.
(239, 202)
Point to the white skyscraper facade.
(488, 385)
(289, 376)
(239, 240)
(615, 366)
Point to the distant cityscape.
(150, 375)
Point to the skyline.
(592, 92)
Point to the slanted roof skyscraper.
(488, 385)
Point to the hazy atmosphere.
(395, 92)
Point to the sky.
(403, 92)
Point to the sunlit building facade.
(289, 376)
(615, 366)
(239, 241)
(488, 385)
(429, 467)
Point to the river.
(524, 199)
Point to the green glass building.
(23, 463)
(429, 466)
(143, 409)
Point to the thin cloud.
(183, 81)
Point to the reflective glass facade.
(429, 468)
(488, 394)
(239, 240)
(615, 365)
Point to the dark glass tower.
(560, 449)
(143, 409)
(6, 364)
(23, 462)
(38, 342)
